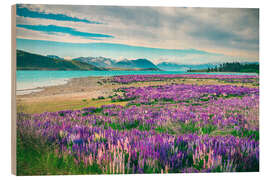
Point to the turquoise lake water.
(31, 81)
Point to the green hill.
(29, 61)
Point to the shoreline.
(55, 84)
(74, 87)
(71, 85)
(41, 86)
(75, 94)
(82, 92)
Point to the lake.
(33, 81)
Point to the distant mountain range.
(110, 63)
(137, 63)
(140, 64)
(169, 66)
(97, 61)
(29, 61)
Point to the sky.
(160, 34)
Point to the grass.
(189, 127)
(36, 157)
(58, 105)
(208, 129)
(161, 129)
(246, 133)
(242, 133)
(187, 81)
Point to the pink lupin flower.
(210, 158)
(100, 153)
(90, 159)
(113, 166)
(85, 161)
(166, 169)
(194, 160)
(123, 168)
(110, 164)
(126, 145)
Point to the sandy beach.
(86, 87)
(76, 93)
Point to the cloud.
(52, 29)
(25, 12)
(202, 59)
(225, 37)
(233, 32)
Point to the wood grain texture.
(13, 89)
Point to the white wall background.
(5, 85)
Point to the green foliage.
(204, 99)
(132, 125)
(208, 129)
(96, 110)
(124, 126)
(123, 100)
(162, 129)
(196, 104)
(36, 157)
(232, 67)
(246, 133)
(100, 83)
(189, 127)
(101, 97)
(144, 127)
